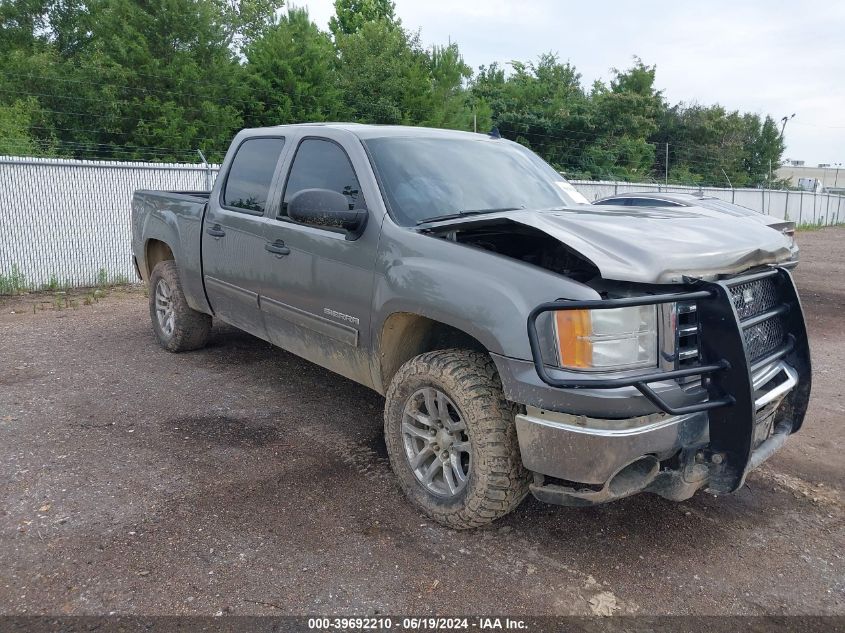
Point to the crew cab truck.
(523, 339)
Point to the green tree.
(765, 153)
(542, 105)
(717, 146)
(181, 80)
(248, 20)
(351, 15)
(622, 118)
(23, 25)
(384, 75)
(15, 137)
(291, 74)
(122, 76)
(160, 78)
(451, 105)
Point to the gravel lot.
(243, 480)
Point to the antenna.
(494, 133)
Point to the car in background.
(701, 205)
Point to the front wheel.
(178, 327)
(451, 439)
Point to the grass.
(14, 282)
(63, 300)
(52, 285)
(819, 224)
(806, 226)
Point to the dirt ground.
(241, 479)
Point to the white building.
(825, 177)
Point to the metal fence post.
(207, 170)
(827, 211)
(800, 206)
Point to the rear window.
(652, 202)
(248, 183)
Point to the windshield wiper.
(461, 214)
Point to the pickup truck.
(524, 340)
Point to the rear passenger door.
(233, 233)
(318, 293)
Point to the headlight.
(617, 338)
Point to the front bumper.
(748, 404)
(591, 451)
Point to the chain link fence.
(65, 223)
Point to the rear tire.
(448, 405)
(178, 327)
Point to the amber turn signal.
(573, 328)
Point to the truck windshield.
(425, 178)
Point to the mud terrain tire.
(178, 327)
(496, 482)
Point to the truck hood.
(648, 245)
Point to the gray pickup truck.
(523, 339)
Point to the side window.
(651, 202)
(248, 182)
(321, 164)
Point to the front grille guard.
(709, 292)
(725, 366)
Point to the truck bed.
(174, 218)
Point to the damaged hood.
(655, 245)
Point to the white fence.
(66, 222)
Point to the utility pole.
(784, 121)
(666, 171)
(770, 187)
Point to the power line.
(143, 90)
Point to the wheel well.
(405, 335)
(157, 251)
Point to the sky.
(769, 57)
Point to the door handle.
(215, 231)
(278, 248)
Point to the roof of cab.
(368, 131)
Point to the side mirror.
(327, 209)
